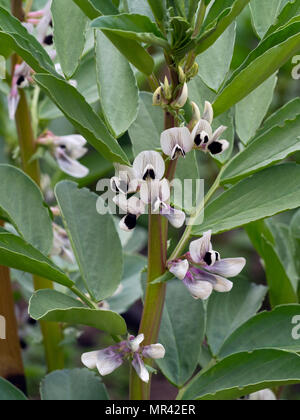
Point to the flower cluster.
(109, 359)
(202, 270)
(61, 244)
(146, 179)
(67, 150)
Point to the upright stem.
(11, 365)
(155, 293)
(52, 333)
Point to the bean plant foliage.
(139, 94)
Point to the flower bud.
(193, 71)
(181, 74)
(158, 96)
(154, 351)
(196, 116)
(167, 90)
(182, 97)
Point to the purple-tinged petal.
(199, 248)
(140, 368)
(198, 289)
(227, 267)
(180, 269)
(134, 342)
(70, 166)
(175, 217)
(108, 361)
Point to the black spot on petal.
(130, 221)
(198, 140)
(20, 80)
(206, 139)
(215, 148)
(48, 40)
(208, 258)
(217, 256)
(149, 174)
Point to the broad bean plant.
(132, 128)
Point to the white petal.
(140, 368)
(155, 192)
(13, 102)
(146, 161)
(199, 248)
(73, 145)
(176, 138)
(70, 166)
(180, 269)
(175, 217)
(208, 114)
(182, 97)
(199, 289)
(107, 362)
(263, 395)
(217, 134)
(154, 351)
(228, 267)
(134, 343)
(222, 285)
(90, 359)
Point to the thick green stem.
(155, 293)
(52, 333)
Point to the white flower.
(109, 359)
(149, 165)
(67, 150)
(204, 271)
(124, 181)
(203, 136)
(176, 142)
(263, 395)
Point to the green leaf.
(281, 288)
(118, 91)
(88, 8)
(181, 330)
(290, 11)
(140, 7)
(289, 111)
(83, 117)
(268, 149)
(73, 385)
(9, 392)
(295, 225)
(271, 54)
(265, 330)
(133, 51)
(227, 311)
(106, 7)
(251, 111)
(16, 37)
(18, 254)
(261, 195)
(131, 284)
(53, 306)
(264, 13)
(132, 26)
(94, 239)
(22, 202)
(158, 9)
(69, 44)
(214, 63)
(244, 373)
(225, 14)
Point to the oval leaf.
(52, 306)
